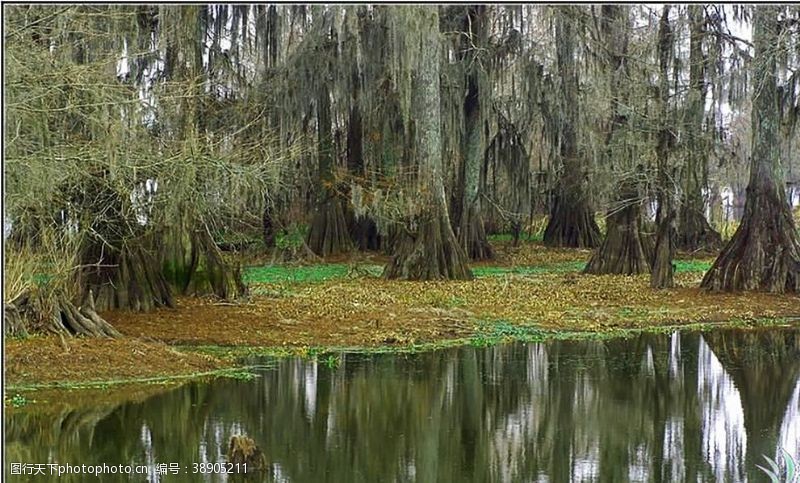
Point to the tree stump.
(244, 451)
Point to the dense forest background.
(145, 144)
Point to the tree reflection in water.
(680, 407)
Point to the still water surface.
(679, 407)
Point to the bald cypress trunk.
(190, 261)
(193, 264)
(363, 229)
(624, 249)
(663, 272)
(117, 257)
(471, 232)
(427, 248)
(129, 279)
(694, 231)
(328, 233)
(572, 222)
(764, 253)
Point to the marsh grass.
(39, 277)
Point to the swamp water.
(679, 407)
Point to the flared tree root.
(625, 249)
(194, 265)
(431, 254)
(472, 237)
(328, 233)
(695, 233)
(54, 312)
(571, 225)
(764, 253)
(130, 279)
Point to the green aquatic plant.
(331, 361)
(492, 332)
(18, 401)
(692, 265)
(536, 236)
(320, 272)
(785, 473)
(482, 340)
(310, 273)
(233, 372)
(240, 374)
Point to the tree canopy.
(142, 139)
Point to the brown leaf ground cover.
(350, 305)
(372, 312)
(46, 359)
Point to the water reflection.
(680, 407)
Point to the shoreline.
(529, 293)
(227, 361)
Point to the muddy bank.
(44, 360)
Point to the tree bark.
(663, 271)
(193, 264)
(694, 231)
(764, 253)
(572, 222)
(624, 249)
(430, 251)
(363, 229)
(328, 233)
(50, 310)
(126, 278)
(471, 232)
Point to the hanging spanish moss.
(471, 232)
(510, 194)
(663, 270)
(571, 222)
(694, 231)
(428, 248)
(764, 253)
(151, 149)
(625, 249)
(328, 233)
